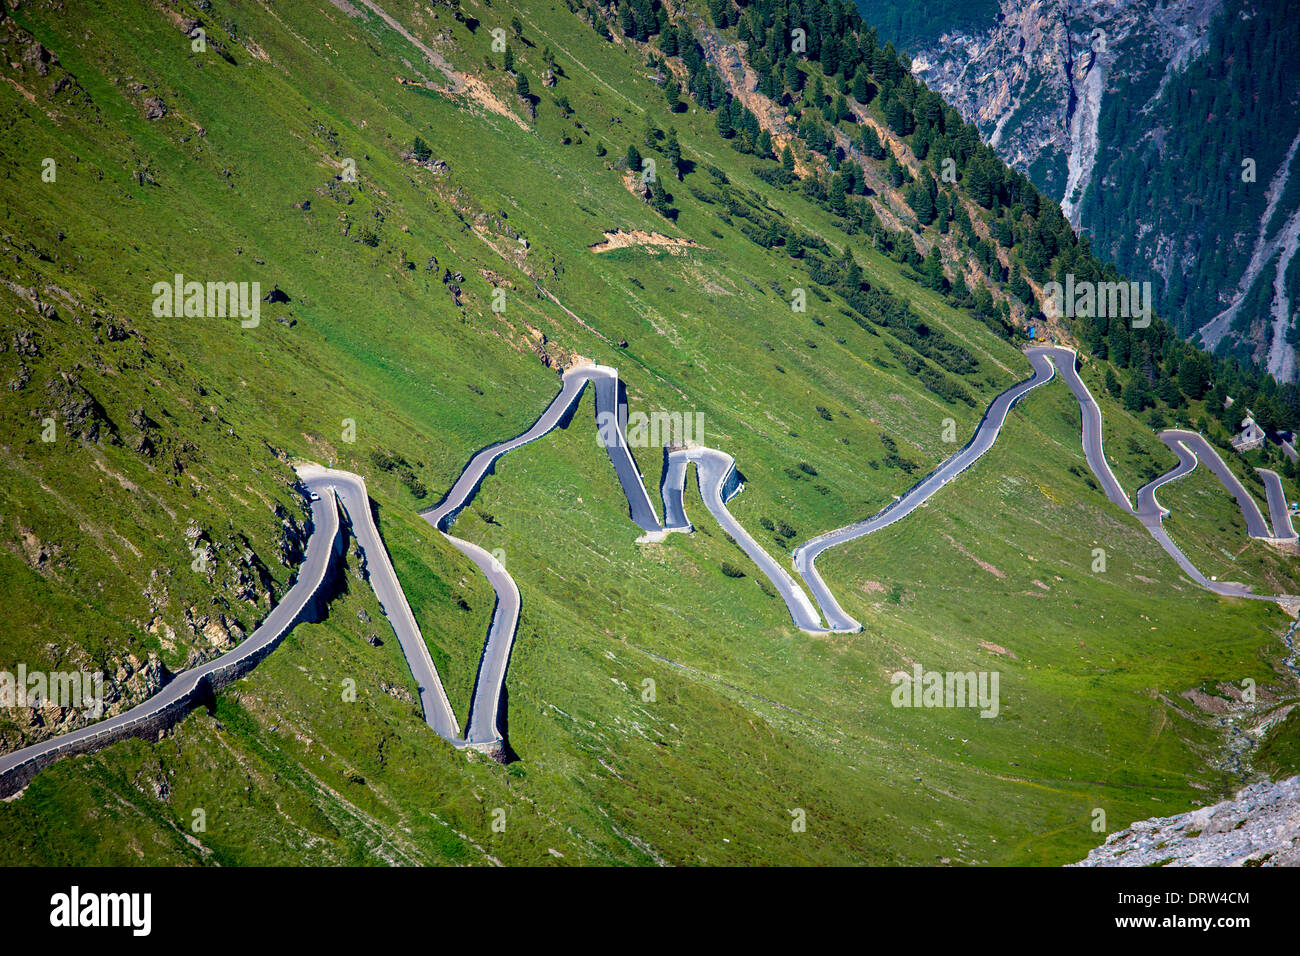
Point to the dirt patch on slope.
(460, 84)
(983, 564)
(624, 238)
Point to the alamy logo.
(649, 431)
(73, 909)
(1116, 300)
(923, 688)
(208, 300)
(82, 690)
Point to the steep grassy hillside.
(384, 354)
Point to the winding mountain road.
(352, 498)
(1195, 443)
(483, 728)
(718, 485)
(986, 433)
(719, 482)
(1278, 511)
(184, 690)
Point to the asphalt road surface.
(1065, 361)
(484, 724)
(990, 426)
(716, 471)
(1278, 510)
(1205, 453)
(718, 483)
(1189, 446)
(1191, 449)
(310, 575)
(355, 502)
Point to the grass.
(749, 718)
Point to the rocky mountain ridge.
(1163, 131)
(1260, 826)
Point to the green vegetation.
(389, 324)
(1249, 53)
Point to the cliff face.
(1138, 117)
(1034, 80)
(1260, 826)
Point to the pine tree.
(853, 275)
(787, 160)
(932, 271)
(793, 75)
(724, 123)
(898, 116)
(918, 197)
(897, 173)
(870, 143)
(673, 96)
(1117, 338)
(838, 195)
(861, 85)
(673, 150)
(667, 39)
(1137, 394)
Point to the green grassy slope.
(750, 718)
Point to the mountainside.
(419, 215)
(1260, 826)
(1167, 132)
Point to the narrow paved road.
(1279, 512)
(483, 728)
(1189, 446)
(310, 577)
(1151, 513)
(1195, 443)
(352, 497)
(1191, 449)
(718, 481)
(1066, 361)
(718, 485)
(990, 426)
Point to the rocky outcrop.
(292, 544)
(132, 680)
(1260, 826)
(33, 69)
(1092, 98)
(196, 689)
(1034, 79)
(82, 415)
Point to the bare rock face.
(131, 681)
(82, 414)
(1033, 81)
(1260, 826)
(292, 544)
